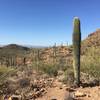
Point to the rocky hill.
(93, 40)
(56, 54)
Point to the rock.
(60, 72)
(79, 94)
(29, 87)
(50, 79)
(64, 85)
(60, 78)
(31, 95)
(60, 87)
(15, 97)
(70, 89)
(17, 92)
(34, 86)
(94, 83)
(24, 82)
(53, 98)
(88, 95)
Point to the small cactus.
(76, 50)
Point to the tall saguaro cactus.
(76, 50)
(54, 54)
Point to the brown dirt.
(54, 90)
(56, 93)
(59, 92)
(91, 93)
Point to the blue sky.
(45, 22)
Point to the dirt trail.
(57, 92)
(54, 93)
(91, 93)
(61, 94)
(47, 88)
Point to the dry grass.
(90, 62)
(5, 72)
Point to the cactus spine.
(76, 50)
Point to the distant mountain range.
(28, 46)
(16, 52)
(93, 39)
(32, 46)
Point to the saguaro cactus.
(38, 59)
(54, 54)
(76, 50)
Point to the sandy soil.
(58, 92)
(54, 93)
(91, 93)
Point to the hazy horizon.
(45, 22)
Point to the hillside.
(56, 54)
(93, 40)
(43, 71)
(12, 54)
(65, 52)
(13, 49)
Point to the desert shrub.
(90, 62)
(62, 64)
(50, 69)
(5, 72)
(68, 77)
(24, 82)
(37, 66)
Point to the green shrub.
(5, 72)
(51, 70)
(90, 62)
(4, 69)
(68, 77)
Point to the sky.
(46, 22)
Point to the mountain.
(35, 46)
(13, 49)
(15, 46)
(13, 55)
